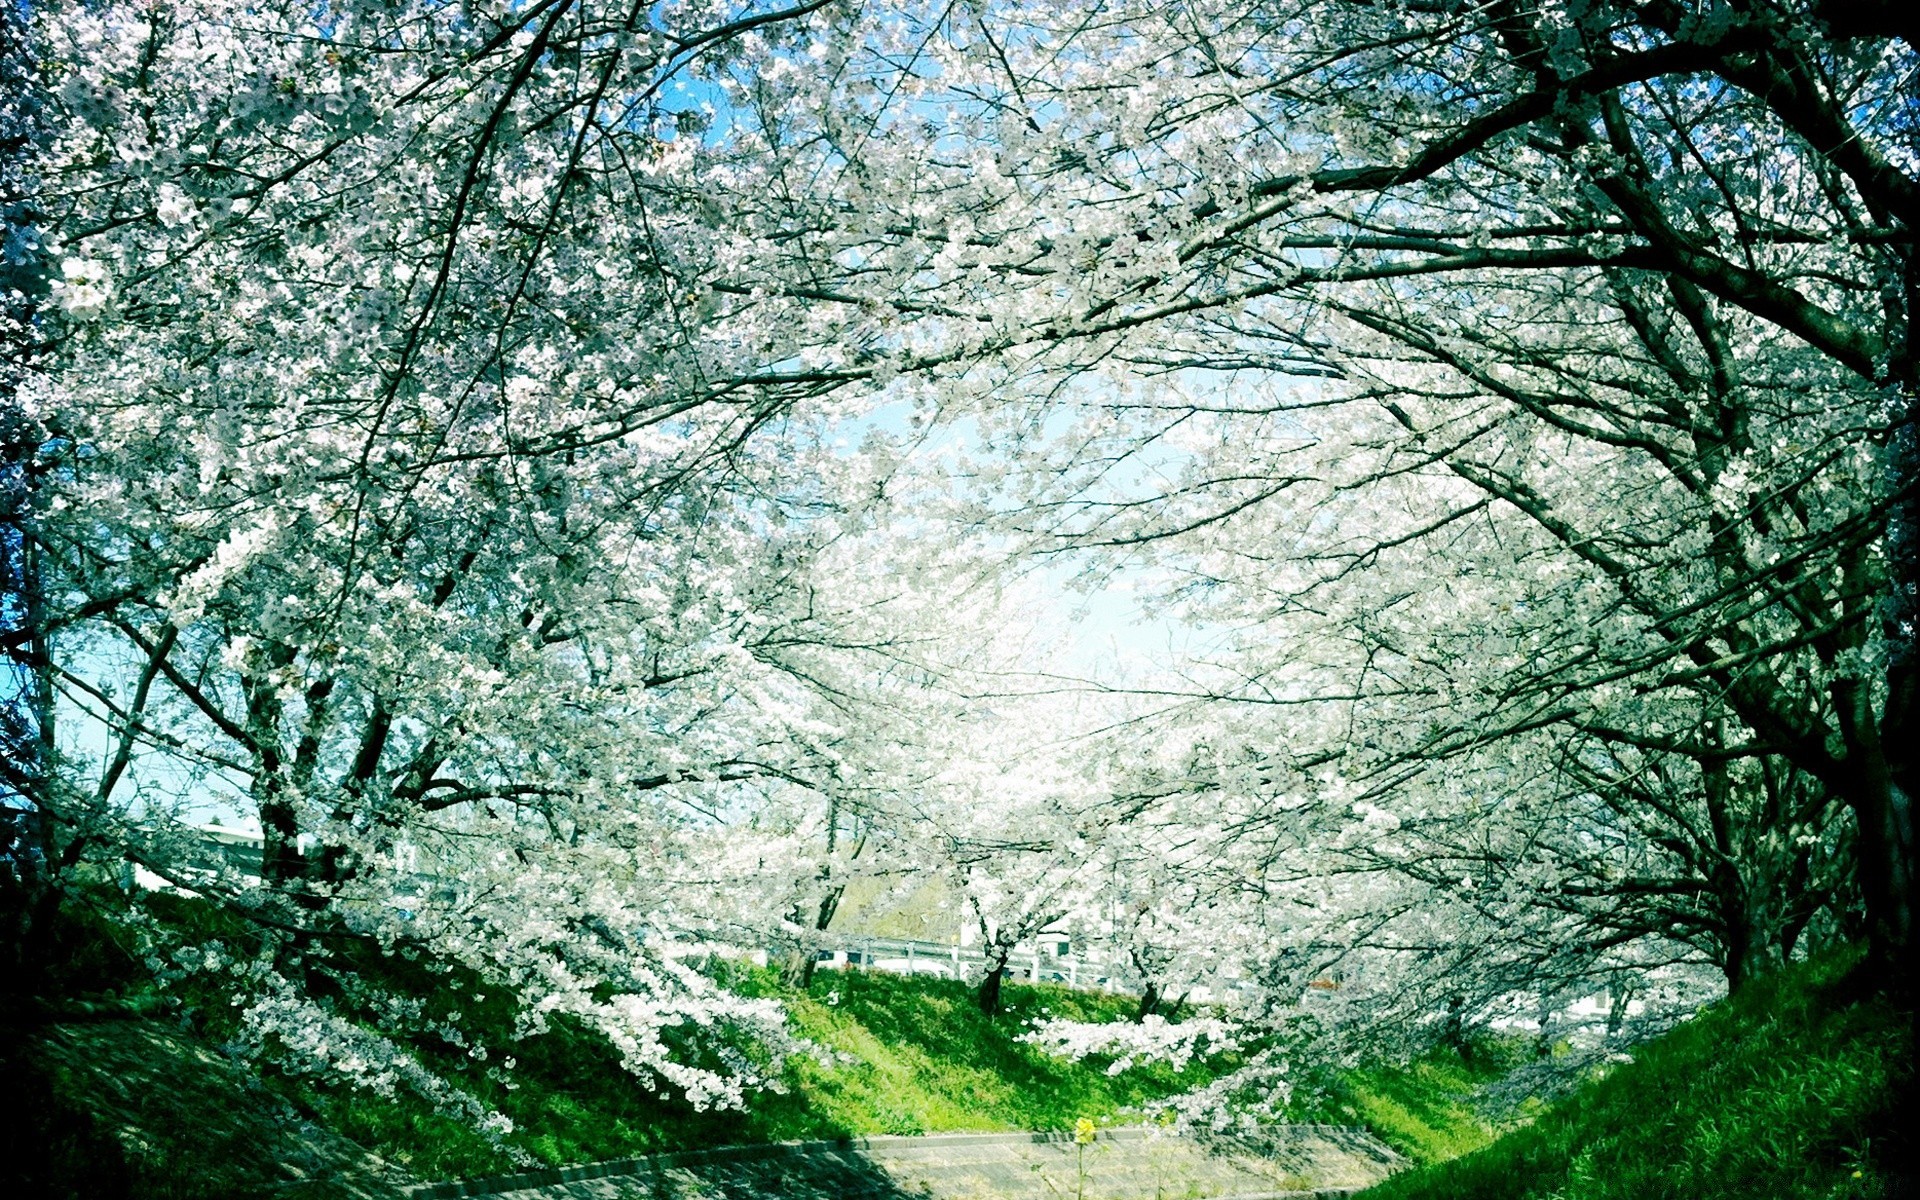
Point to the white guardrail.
(1049, 958)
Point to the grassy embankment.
(911, 1056)
(908, 1056)
(1792, 1089)
(1787, 1090)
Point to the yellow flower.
(1083, 1131)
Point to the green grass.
(1427, 1109)
(931, 1061)
(907, 1056)
(1786, 1090)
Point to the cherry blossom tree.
(1607, 307)
(1010, 820)
(438, 465)
(417, 482)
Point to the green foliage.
(1429, 1110)
(1787, 1090)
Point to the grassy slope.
(931, 1061)
(117, 1109)
(1426, 1110)
(1785, 1091)
(906, 1056)
(910, 1056)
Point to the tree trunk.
(282, 864)
(1149, 1001)
(33, 887)
(1453, 1030)
(802, 963)
(1884, 863)
(797, 973)
(1543, 1012)
(1739, 961)
(1619, 995)
(989, 995)
(1882, 807)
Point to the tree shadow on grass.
(814, 1171)
(107, 1109)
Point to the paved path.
(1125, 1164)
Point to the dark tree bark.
(1149, 1002)
(988, 995)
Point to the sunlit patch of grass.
(1428, 1110)
(1424, 1118)
(925, 1059)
